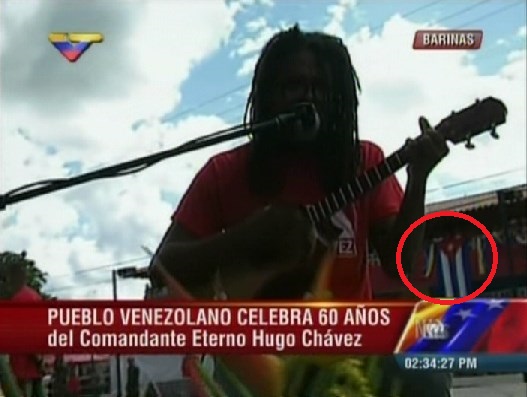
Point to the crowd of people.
(30, 370)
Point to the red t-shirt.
(219, 197)
(74, 385)
(25, 366)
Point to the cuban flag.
(453, 255)
(429, 259)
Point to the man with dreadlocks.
(240, 212)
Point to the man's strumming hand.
(281, 233)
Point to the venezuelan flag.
(423, 311)
(71, 52)
(479, 325)
(73, 45)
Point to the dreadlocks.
(338, 141)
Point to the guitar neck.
(359, 186)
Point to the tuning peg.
(493, 133)
(469, 145)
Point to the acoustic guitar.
(265, 374)
(272, 284)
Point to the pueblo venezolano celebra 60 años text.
(215, 316)
(261, 328)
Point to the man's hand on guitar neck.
(426, 151)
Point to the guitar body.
(306, 280)
(271, 283)
(246, 286)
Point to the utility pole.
(125, 272)
(117, 357)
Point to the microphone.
(299, 125)
(302, 123)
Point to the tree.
(37, 279)
(8, 384)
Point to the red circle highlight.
(453, 214)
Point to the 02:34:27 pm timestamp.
(438, 362)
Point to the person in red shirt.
(242, 212)
(74, 385)
(27, 369)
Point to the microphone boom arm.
(40, 188)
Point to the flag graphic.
(73, 45)
(479, 325)
(482, 255)
(454, 257)
(429, 257)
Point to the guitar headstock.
(484, 115)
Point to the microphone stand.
(40, 188)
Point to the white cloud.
(256, 24)
(248, 66)
(434, 84)
(135, 73)
(85, 112)
(520, 34)
(337, 13)
(242, 5)
(117, 216)
(251, 45)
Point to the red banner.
(149, 327)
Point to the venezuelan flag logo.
(73, 45)
(479, 325)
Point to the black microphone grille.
(309, 118)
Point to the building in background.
(92, 370)
(457, 257)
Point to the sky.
(170, 71)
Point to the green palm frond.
(8, 383)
